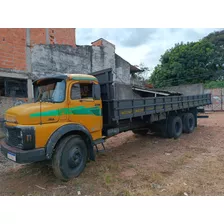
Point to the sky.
(142, 45)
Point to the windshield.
(50, 90)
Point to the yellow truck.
(73, 113)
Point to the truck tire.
(188, 123)
(69, 158)
(140, 131)
(175, 127)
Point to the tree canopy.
(216, 38)
(144, 74)
(194, 62)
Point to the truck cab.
(64, 106)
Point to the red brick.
(37, 36)
(6, 65)
(13, 48)
(5, 54)
(97, 43)
(62, 36)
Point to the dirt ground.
(134, 165)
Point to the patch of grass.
(180, 190)
(130, 165)
(156, 177)
(113, 166)
(146, 193)
(35, 193)
(179, 193)
(101, 154)
(189, 155)
(108, 179)
(182, 160)
(124, 193)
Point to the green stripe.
(80, 110)
(46, 113)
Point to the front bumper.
(22, 156)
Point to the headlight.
(10, 119)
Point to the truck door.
(85, 107)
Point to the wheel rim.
(74, 158)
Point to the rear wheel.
(140, 131)
(175, 127)
(70, 157)
(188, 123)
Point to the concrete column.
(29, 66)
(28, 51)
(30, 90)
(75, 35)
(47, 36)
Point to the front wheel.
(70, 157)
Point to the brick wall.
(13, 43)
(62, 36)
(97, 42)
(37, 36)
(13, 48)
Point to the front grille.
(13, 136)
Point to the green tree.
(195, 62)
(217, 38)
(144, 74)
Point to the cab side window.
(75, 92)
(81, 91)
(96, 92)
(86, 91)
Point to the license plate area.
(11, 156)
